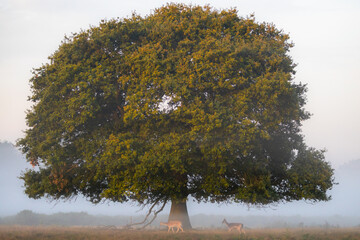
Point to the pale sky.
(326, 34)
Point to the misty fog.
(342, 210)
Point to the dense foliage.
(188, 101)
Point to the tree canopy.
(187, 101)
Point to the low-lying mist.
(29, 218)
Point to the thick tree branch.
(148, 214)
(155, 214)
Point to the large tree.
(186, 102)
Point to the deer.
(231, 226)
(172, 224)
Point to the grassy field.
(75, 233)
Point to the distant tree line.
(29, 218)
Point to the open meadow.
(59, 233)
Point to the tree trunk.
(179, 212)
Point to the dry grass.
(60, 233)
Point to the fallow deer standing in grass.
(238, 226)
(172, 224)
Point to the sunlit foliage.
(188, 101)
